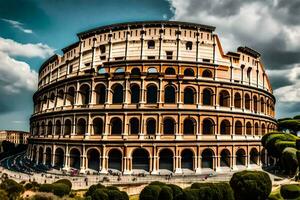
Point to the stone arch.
(41, 155)
(189, 126)
(207, 158)
(81, 127)
(136, 71)
(48, 155)
(263, 128)
(170, 71)
(238, 128)
(152, 70)
(75, 158)
(208, 126)
(119, 70)
(34, 154)
(166, 159)
(240, 157)
(117, 94)
(170, 94)
(49, 128)
(169, 126)
(207, 97)
(189, 72)
(70, 98)
(115, 159)
(262, 105)
(93, 157)
(100, 90)
(43, 127)
(151, 44)
(98, 126)
(134, 126)
(151, 93)
(151, 126)
(255, 103)
(256, 129)
(189, 95)
(135, 93)
(59, 157)
(237, 100)
(225, 158)
(207, 73)
(140, 159)
(247, 101)
(248, 128)
(60, 97)
(187, 159)
(225, 127)
(57, 127)
(84, 92)
(224, 98)
(116, 126)
(254, 156)
(68, 127)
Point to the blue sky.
(31, 30)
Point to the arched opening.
(49, 128)
(135, 93)
(41, 155)
(57, 127)
(187, 159)
(170, 71)
(98, 126)
(116, 126)
(240, 157)
(255, 103)
(151, 126)
(189, 95)
(247, 101)
(134, 126)
(262, 105)
(102, 49)
(207, 97)
(263, 129)
(135, 72)
(170, 94)
(238, 128)
(254, 156)
(256, 130)
(189, 72)
(68, 127)
(152, 70)
(207, 73)
(60, 98)
(59, 158)
(48, 156)
(151, 44)
(93, 157)
(169, 126)
(71, 96)
(166, 159)
(140, 159)
(189, 126)
(115, 159)
(189, 45)
(151, 94)
(225, 158)
(207, 159)
(43, 128)
(224, 98)
(51, 100)
(225, 127)
(75, 158)
(117, 91)
(208, 127)
(81, 127)
(100, 94)
(119, 70)
(237, 100)
(248, 128)
(34, 153)
(249, 75)
(84, 92)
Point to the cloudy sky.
(32, 30)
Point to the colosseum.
(153, 97)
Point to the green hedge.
(61, 189)
(249, 185)
(66, 182)
(166, 193)
(46, 188)
(291, 191)
(150, 192)
(12, 188)
(100, 192)
(220, 191)
(289, 160)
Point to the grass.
(134, 197)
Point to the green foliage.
(12, 188)
(46, 188)
(249, 185)
(296, 117)
(289, 160)
(112, 188)
(43, 196)
(160, 184)
(3, 195)
(92, 188)
(28, 186)
(281, 145)
(116, 195)
(275, 196)
(290, 124)
(66, 182)
(99, 194)
(150, 192)
(219, 191)
(60, 189)
(165, 193)
(266, 136)
(290, 191)
(177, 191)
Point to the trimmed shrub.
(66, 182)
(28, 186)
(291, 191)
(150, 192)
(219, 191)
(3, 195)
(289, 160)
(115, 195)
(190, 194)
(281, 145)
(99, 194)
(60, 189)
(12, 188)
(249, 185)
(112, 188)
(92, 189)
(160, 184)
(177, 191)
(46, 188)
(124, 195)
(43, 196)
(165, 193)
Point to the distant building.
(17, 137)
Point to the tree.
(289, 160)
(291, 191)
(150, 192)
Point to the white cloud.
(13, 48)
(18, 25)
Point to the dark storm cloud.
(279, 80)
